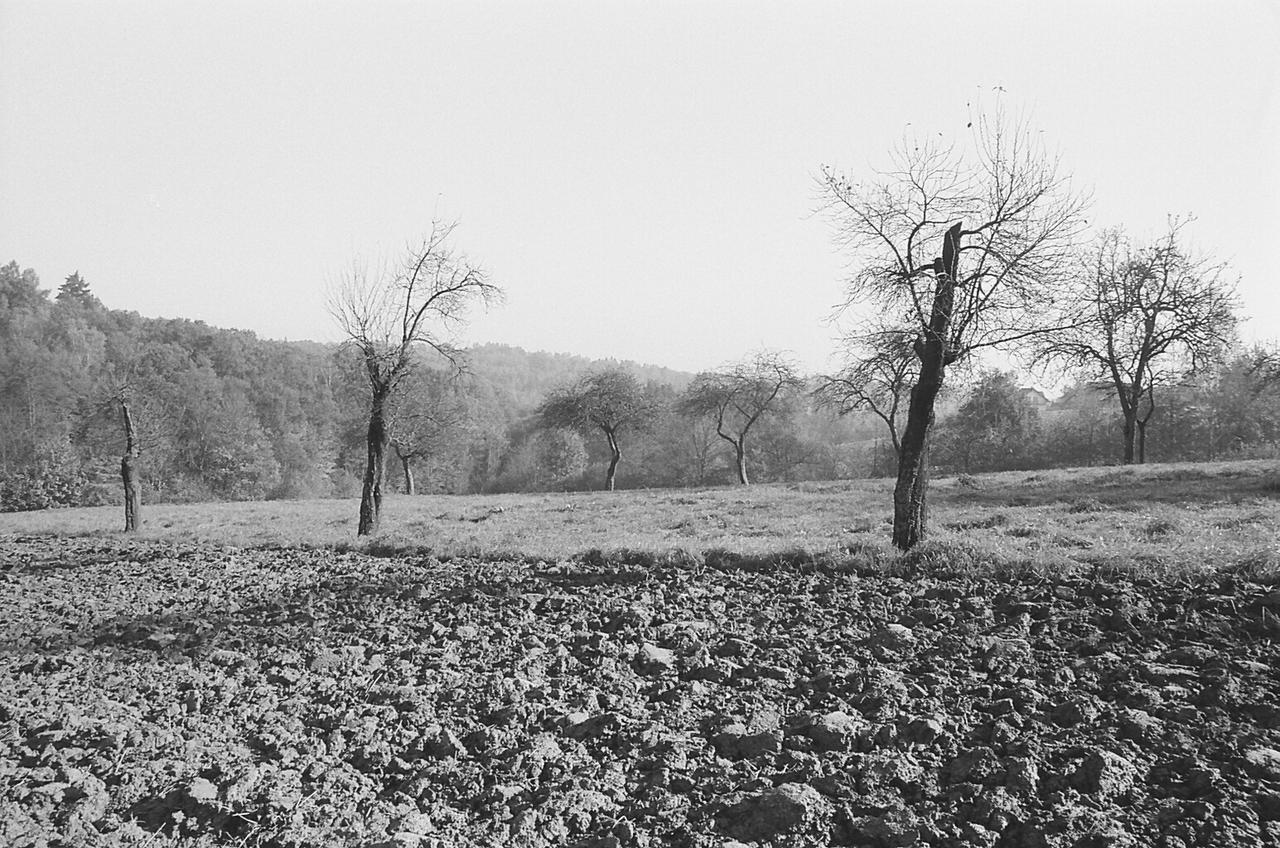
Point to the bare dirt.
(165, 694)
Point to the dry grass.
(1162, 519)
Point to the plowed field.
(161, 693)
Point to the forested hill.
(224, 414)
(527, 377)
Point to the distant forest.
(224, 415)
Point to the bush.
(41, 488)
(56, 479)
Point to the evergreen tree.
(75, 291)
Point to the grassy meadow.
(1164, 518)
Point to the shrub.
(56, 479)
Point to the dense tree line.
(223, 415)
(217, 414)
(1227, 412)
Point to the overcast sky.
(638, 176)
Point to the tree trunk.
(740, 453)
(910, 508)
(615, 456)
(129, 472)
(376, 466)
(1143, 420)
(407, 464)
(1130, 432)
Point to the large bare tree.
(966, 248)
(1141, 317)
(737, 396)
(387, 315)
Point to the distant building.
(1093, 394)
(1033, 398)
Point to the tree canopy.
(610, 401)
(1141, 317)
(737, 396)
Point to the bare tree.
(880, 368)
(129, 475)
(387, 315)
(126, 395)
(115, 394)
(1141, 318)
(965, 250)
(610, 401)
(737, 396)
(122, 388)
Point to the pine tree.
(75, 291)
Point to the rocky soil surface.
(159, 695)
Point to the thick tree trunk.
(910, 507)
(740, 453)
(129, 473)
(615, 456)
(132, 493)
(375, 467)
(1130, 433)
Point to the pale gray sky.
(638, 175)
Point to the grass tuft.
(1084, 505)
(1258, 566)
(1161, 527)
(989, 522)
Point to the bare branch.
(880, 367)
